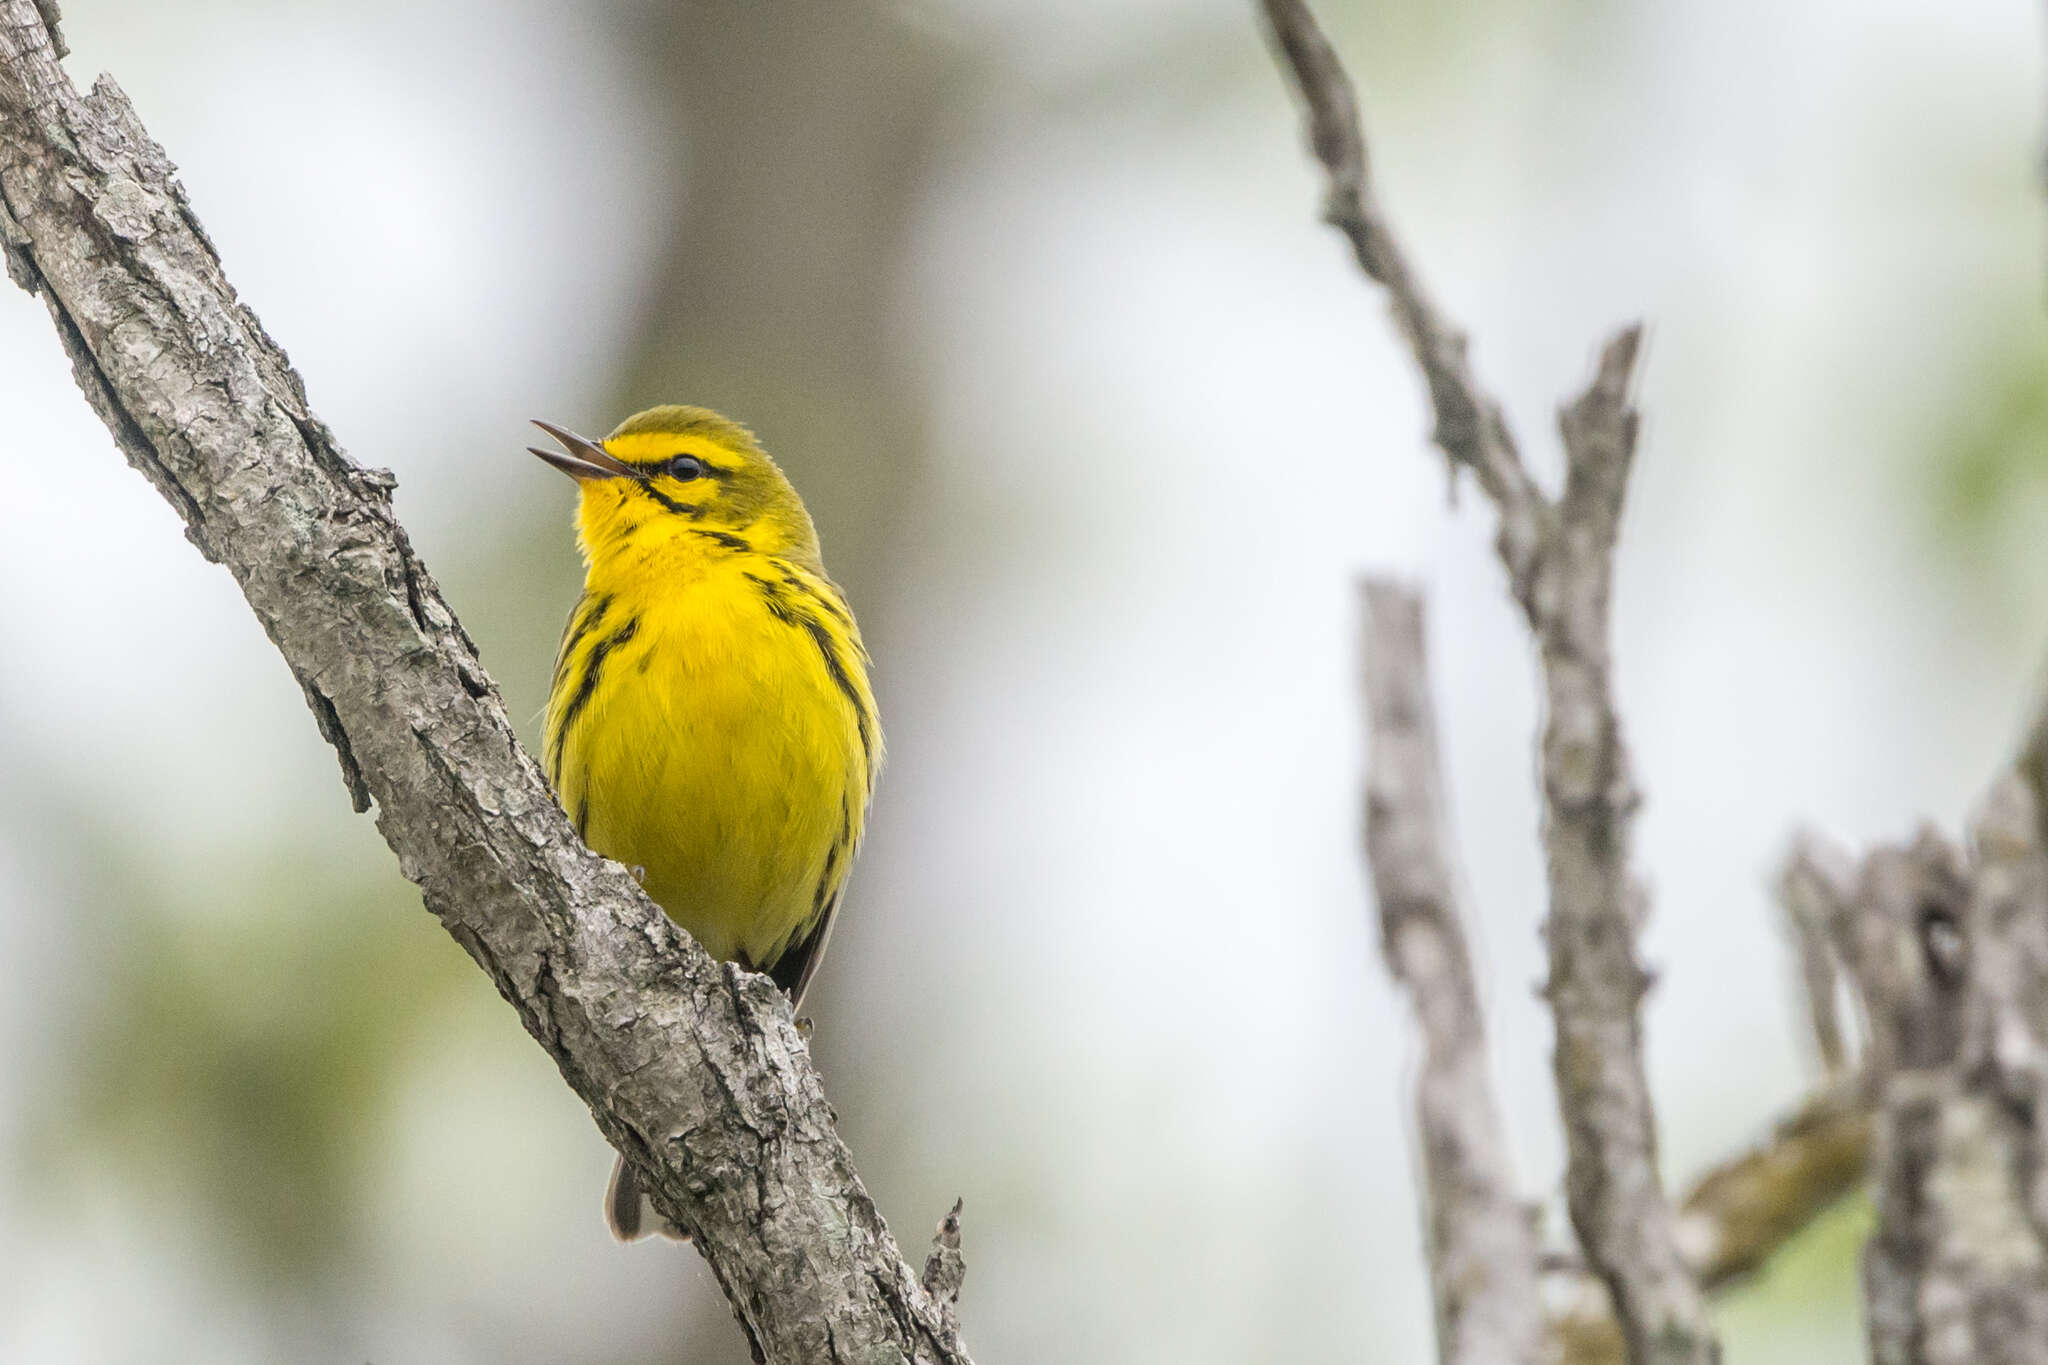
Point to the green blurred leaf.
(1999, 452)
(239, 1055)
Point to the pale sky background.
(1108, 970)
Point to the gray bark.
(1559, 555)
(1813, 883)
(1481, 1236)
(693, 1070)
(945, 1269)
(1612, 1184)
(1948, 952)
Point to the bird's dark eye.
(684, 468)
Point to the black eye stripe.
(679, 508)
(682, 468)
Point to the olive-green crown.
(680, 419)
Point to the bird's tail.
(629, 1213)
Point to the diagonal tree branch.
(1559, 556)
(1482, 1244)
(1469, 427)
(1742, 1211)
(693, 1070)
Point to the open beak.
(585, 460)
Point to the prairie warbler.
(710, 723)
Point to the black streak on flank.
(581, 623)
(772, 596)
(821, 635)
(582, 820)
(844, 681)
(828, 880)
(730, 542)
(591, 670)
(826, 598)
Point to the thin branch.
(1482, 1249)
(1482, 1245)
(1814, 884)
(692, 1069)
(1559, 558)
(1735, 1217)
(1744, 1210)
(1596, 984)
(1899, 936)
(1469, 428)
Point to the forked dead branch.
(1946, 950)
(1559, 555)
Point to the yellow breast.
(711, 727)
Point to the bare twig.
(1735, 1217)
(1814, 884)
(1482, 1246)
(1596, 983)
(1469, 427)
(1900, 937)
(1559, 557)
(694, 1070)
(945, 1270)
(1740, 1213)
(1482, 1249)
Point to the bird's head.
(676, 473)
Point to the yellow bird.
(710, 724)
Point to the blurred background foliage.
(1990, 488)
(1097, 425)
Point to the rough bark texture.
(1596, 984)
(1949, 956)
(1559, 555)
(945, 1270)
(1484, 1260)
(1481, 1236)
(693, 1070)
